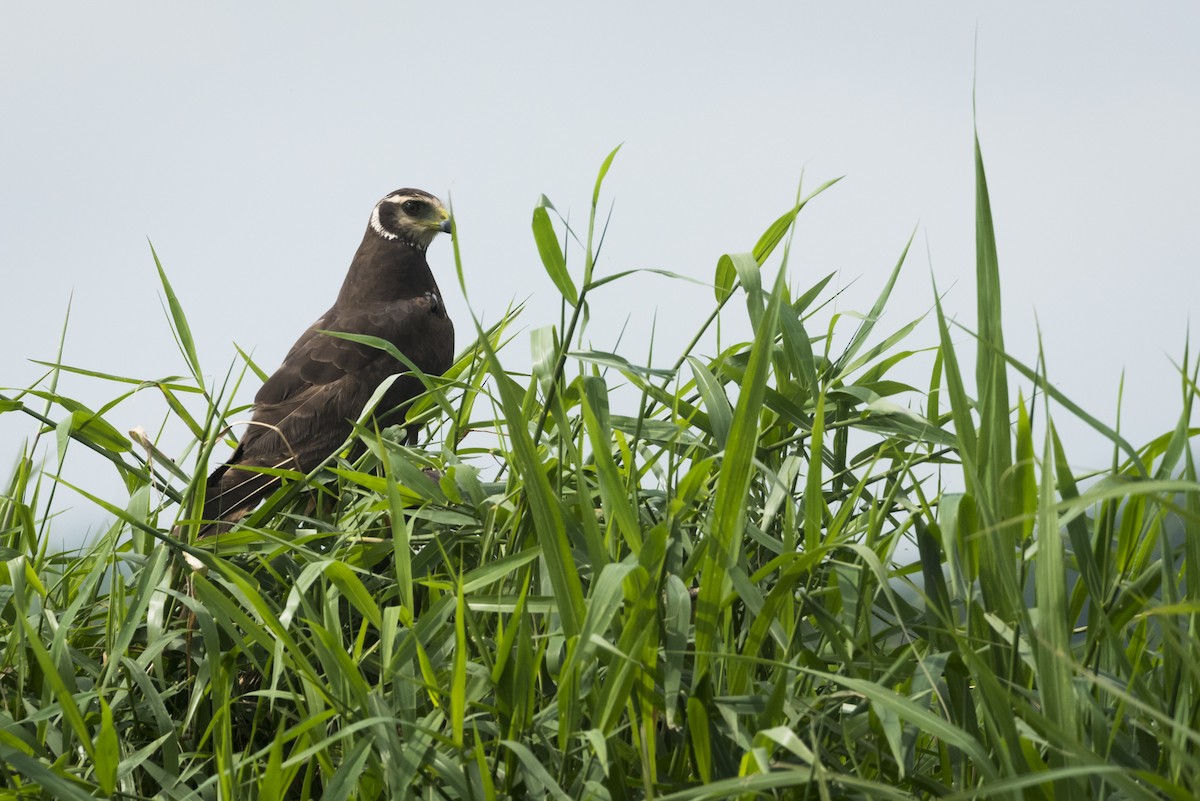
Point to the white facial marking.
(377, 225)
(416, 234)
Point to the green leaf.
(724, 279)
(920, 716)
(41, 775)
(544, 504)
(1053, 644)
(270, 786)
(493, 571)
(618, 504)
(354, 591)
(57, 682)
(605, 359)
(960, 403)
(108, 751)
(603, 603)
(544, 345)
(603, 172)
(868, 323)
(458, 674)
(777, 230)
(346, 779)
(749, 274)
(179, 327)
(733, 484)
(720, 413)
(552, 255)
(701, 739)
(814, 502)
(535, 774)
(991, 375)
(677, 621)
(89, 426)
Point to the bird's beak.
(447, 226)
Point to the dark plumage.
(304, 411)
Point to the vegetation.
(750, 583)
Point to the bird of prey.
(304, 411)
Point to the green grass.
(734, 578)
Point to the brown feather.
(305, 409)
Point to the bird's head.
(410, 216)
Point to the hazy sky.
(249, 142)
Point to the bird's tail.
(231, 492)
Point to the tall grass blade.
(552, 255)
(179, 323)
(733, 483)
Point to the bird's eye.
(411, 206)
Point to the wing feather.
(303, 412)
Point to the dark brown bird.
(304, 411)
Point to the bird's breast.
(420, 329)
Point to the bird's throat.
(384, 270)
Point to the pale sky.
(250, 142)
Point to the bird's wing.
(321, 383)
(315, 360)
(324, 381)
(296, 425)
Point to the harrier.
(303, 412)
